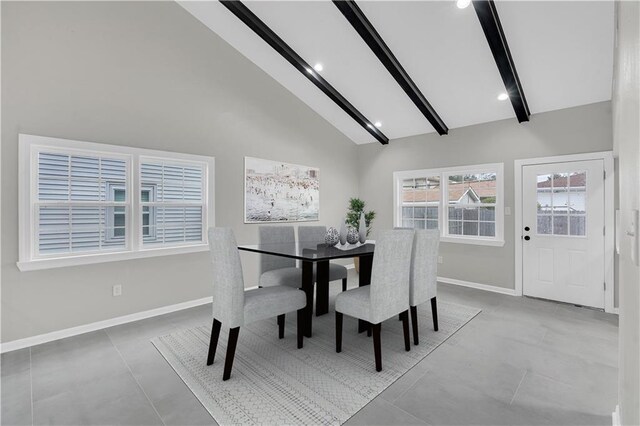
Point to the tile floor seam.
(546, 330)
(410, 386)
(518, 388)
(31, 386)
(136, 380)
(408, 413)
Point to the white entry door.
(563, 231)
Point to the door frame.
(609, 212)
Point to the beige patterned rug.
(272, 382)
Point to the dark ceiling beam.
(361, 24)
(490, 22)
(243, 13)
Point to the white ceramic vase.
(343, 233)
(362, 229)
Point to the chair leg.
(377, 350)
(300, 326)
(434, 312)
(281, 326)
(414, 323)
(213, 343)
(405, 330)
(231, 352)
(338, 332)
(344, 284)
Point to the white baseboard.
(486, 287)
(99, 325)
(615, 417)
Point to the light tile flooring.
(520, 362)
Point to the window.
(465, 203)
(77, 204)
(561, 203)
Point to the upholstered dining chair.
(423, 281)
(388, 293)
(235, 307)
(278, 270)
(315, 234)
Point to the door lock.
(527, 238)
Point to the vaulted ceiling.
(562, 50)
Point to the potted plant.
(356, 207)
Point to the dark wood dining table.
(320, 255)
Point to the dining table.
(319, 254)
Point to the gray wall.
(626, 132)
(568, 131)
(147, 75)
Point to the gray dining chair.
(388, 293)
(234, 306)
(423, 281)
(316, 234)
(278, 270)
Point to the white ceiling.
(563, 52)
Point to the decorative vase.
(343, 233)
(332, 237)
(362, 229)
(352, 235)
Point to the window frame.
(29, 148)
(443, 205)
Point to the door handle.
(527, 238)
(526, 228)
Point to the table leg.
(364, 278)
(322, 287)
(307, 287)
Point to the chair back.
(424, 266)
(275, 235)
(228, 284)
(311, 233)
(390, 274)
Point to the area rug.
(275, 383)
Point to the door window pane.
(561, 203)
(544, 225)
(560, 225)
(577, 201)
(577, 225)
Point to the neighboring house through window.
(465, 203)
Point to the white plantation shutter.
(176, 204)
(83, 202)
(75, 203)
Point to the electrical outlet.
(117, 290)
(440, 259)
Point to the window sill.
(474, 241)
(88, 259)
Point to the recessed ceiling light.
(503, 97)
(377, 124)
(369, 125)
(309, 70)
(463, 3)
(318, 67)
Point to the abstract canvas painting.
(280, 192)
